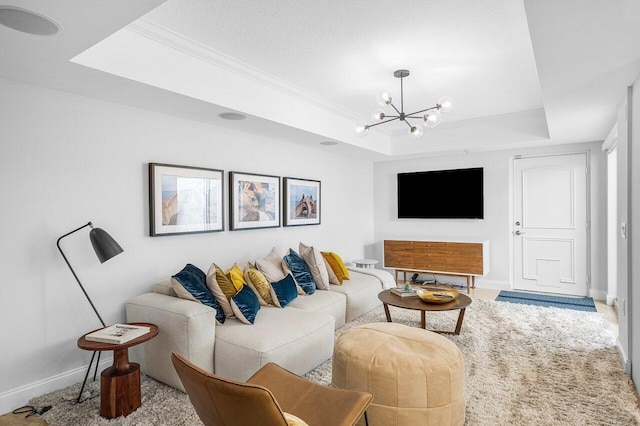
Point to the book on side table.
(117, 333)
(403, 292)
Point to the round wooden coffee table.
(415, 303)
(120, 383)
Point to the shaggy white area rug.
(525, 365)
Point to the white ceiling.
(520, 73)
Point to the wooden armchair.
(266, 397)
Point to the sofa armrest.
(186, 327)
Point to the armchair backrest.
(219, 401)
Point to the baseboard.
(611, 299)
(494, 284)
(14, 398)
(626, 362)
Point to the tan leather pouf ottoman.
(416, 376)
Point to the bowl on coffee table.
(437, 295)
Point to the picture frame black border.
(285, 202)
(152, 200)
(232, 199)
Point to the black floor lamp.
(105, 247)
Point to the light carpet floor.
(525, 365)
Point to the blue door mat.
(576, 303)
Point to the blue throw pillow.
(245, 305)
(191, 284)
(197, 271)
(300, 271)
(284, 291)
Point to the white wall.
(497, 223)
(66, 160)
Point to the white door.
(550, 224)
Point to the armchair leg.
(366, 420)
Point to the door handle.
(518, 232)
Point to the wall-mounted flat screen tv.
(441, 194)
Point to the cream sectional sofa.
(298, 337)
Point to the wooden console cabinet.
(467, 259)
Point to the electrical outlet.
(623, 230)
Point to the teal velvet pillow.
(300, 271)
(192, 281)
(245, 305)
(284, 291)
(195, 270)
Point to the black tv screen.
(441, 194)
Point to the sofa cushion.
(326, 302)
(271, 266)
(361, 292)
(258, 283)
(245, 305)
(190, 284)
(221, 287)
(316, 264)
(296, 340)
(300, 271)
(165, 287)
(284, 291)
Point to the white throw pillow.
(316, 264)
(271, 266)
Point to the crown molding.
(174, 40)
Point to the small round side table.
(365, 263)
(120, 383)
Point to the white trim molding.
(18, 397)
(626, 362)
(611, 141)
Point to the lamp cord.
(30, 410)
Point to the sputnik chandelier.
(430, 118)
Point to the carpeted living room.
(290, 213)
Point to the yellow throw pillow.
(222, 290)
(257, 280)
(334, 263)
(333, 278)
(236, 277)
(226, 285)
(344, 269)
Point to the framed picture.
(254, 201)
(185, 200)
(301, 202)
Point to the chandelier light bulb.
(415, 132)
(384, 98)
(361, 129)
(432, 118)
(445, 105)
(378, 115)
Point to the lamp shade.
(104, 245)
